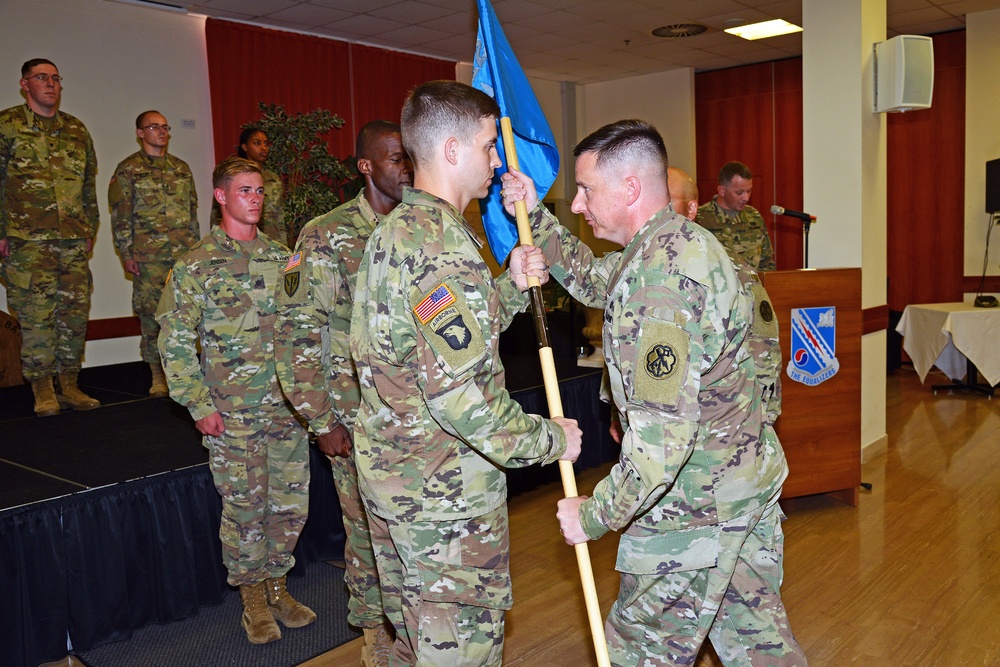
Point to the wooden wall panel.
(786, 233)
(754, 114)
(926, 187)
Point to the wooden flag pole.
(554, 400)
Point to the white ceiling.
(572, 40)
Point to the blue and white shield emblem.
(814, 345)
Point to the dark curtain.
(247, 65)
(580, 398)
(102, 563)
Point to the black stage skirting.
(135, 541)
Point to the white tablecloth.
(946, 334)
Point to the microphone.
(781, 210)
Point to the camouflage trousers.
(445, 586)
(663, 619)
(260, 466)
(146, 290)
(365, 604)
(48, 291)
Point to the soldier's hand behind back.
(335, 443)
(574, 438)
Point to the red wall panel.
(926, 187)
(754, 114)
(248, 64)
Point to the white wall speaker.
(904, 73)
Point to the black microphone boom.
(780, 210)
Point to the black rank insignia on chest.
(660, 361)
(455, 333)
(291, 283)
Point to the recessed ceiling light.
(764, 29)
(680, 30)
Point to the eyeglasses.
(45, 78)
(156, 127)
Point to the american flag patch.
(434, 303)
(294, 261)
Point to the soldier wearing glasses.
(48, 220)
(154, 217)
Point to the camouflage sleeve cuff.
(324, 424)
(557, 442)
(589, 521)
(201, 410)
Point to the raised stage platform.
(109, 519)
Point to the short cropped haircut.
(732, 169)
(438, 109)
(231, 167)
(629, 141)
(32, 64)
(369, 134)
(141, 117)
(245, 137)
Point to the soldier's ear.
(633, 188)
(365, 166)
(220, 196)
(451, 150)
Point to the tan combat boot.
(257, 619)
(46, 404)
(285, 608)
(378, 645)
(159, 387)
(71, 396)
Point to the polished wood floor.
(909, 577)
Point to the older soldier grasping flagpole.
(696, 488)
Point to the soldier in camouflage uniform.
(314, 308)
(696, 487)
(220, 296)
(737, 225)
(435, 427)
(763, 337)
(154, 218)
(253, 145)
(48, 220)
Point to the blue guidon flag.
(496, 72)
(814, 345)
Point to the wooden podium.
(820, 425)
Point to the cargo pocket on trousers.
(469, 586)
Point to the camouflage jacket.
(47, 189)
(313, 335)
(744, 233)
(436, 425)
(762, 339)
(154, 208)
(221, 297)
(272, 218)
(696, 449)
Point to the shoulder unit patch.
(440, 298)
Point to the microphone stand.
(806, 224)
